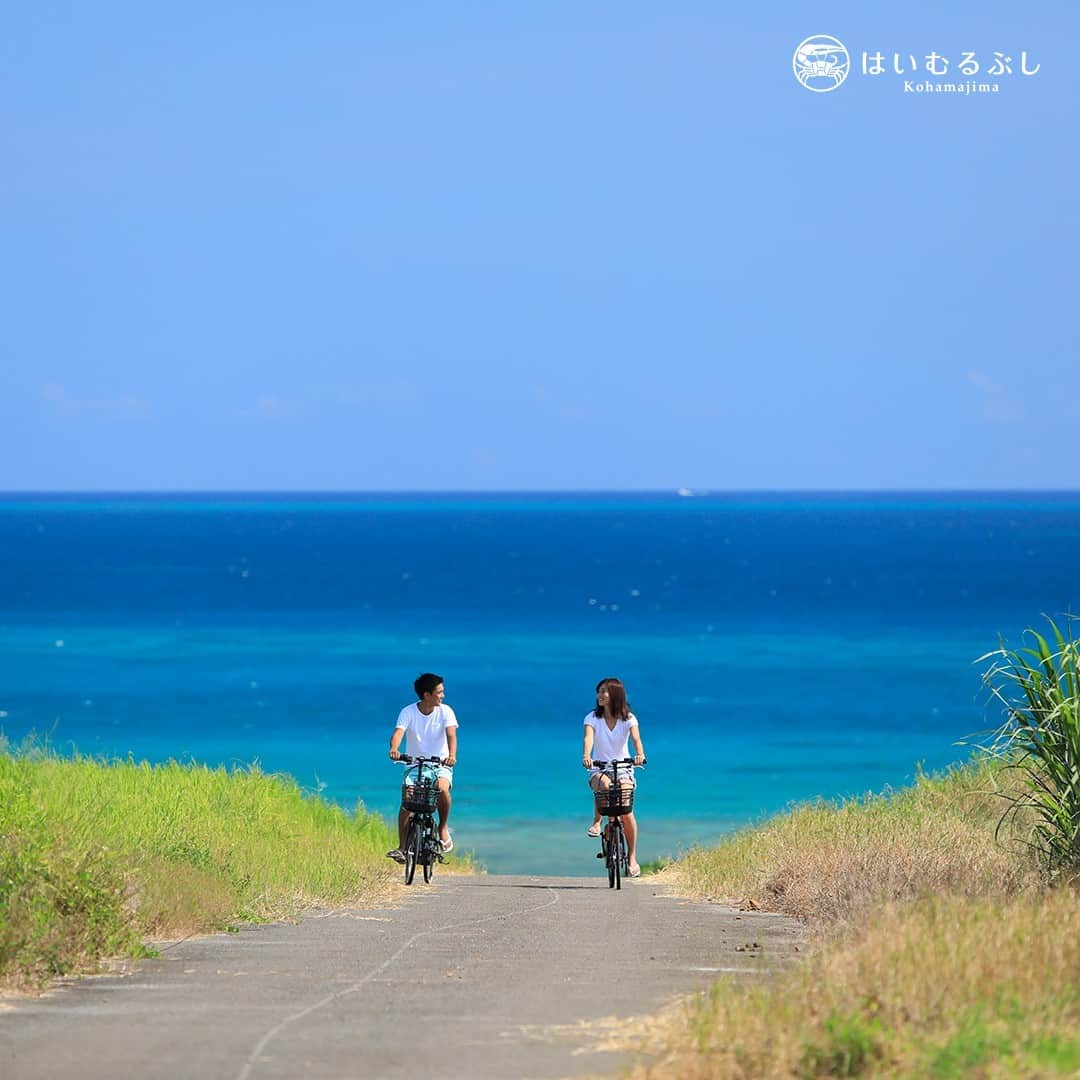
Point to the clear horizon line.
(428, 492)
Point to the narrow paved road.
(468, 977)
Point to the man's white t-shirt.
(610, 744)
(426, 735)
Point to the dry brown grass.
(939, 951)
(942, 987)
(830, 863)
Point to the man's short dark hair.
(426, 683)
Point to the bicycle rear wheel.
(412, 850)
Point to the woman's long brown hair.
(617, 702)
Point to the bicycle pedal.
(599, 854)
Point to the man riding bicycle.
(431, 727)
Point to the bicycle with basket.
(420, 797)
(613, 803)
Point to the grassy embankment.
(937, 951)
(96, 858)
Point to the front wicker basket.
(419, 798)
(615, 801)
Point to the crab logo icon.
(821, 63)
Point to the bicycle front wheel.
(431, 845)
(412, 850)
(622, 863)
(612, 851)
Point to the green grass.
(1039, 688)
(981, 1041)
(96, 857)
(654, 866)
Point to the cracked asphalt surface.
(469, 976)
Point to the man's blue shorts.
(442, 772)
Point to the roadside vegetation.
(97, 858)
(833, 863)
(1039, 689)
(944, 918)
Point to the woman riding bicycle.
(609, 729)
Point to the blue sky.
(533, 246)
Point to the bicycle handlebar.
(620, 761)
(407, 759)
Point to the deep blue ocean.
(775, 648)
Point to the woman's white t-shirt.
(610, 744)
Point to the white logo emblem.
(821, 63)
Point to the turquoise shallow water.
(775, 651)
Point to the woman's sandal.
(593, 831)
